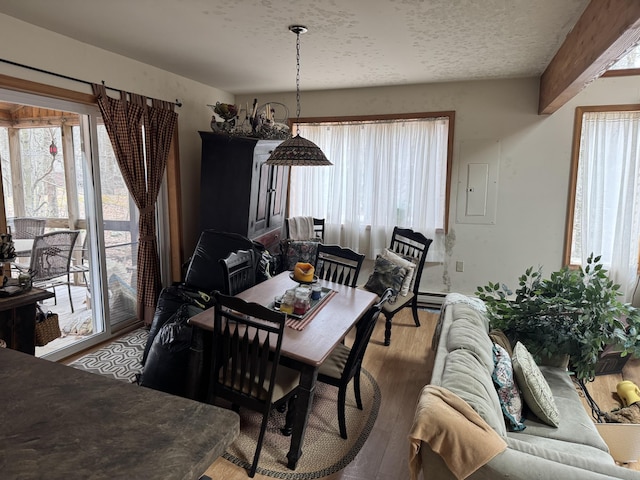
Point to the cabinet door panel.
(261, 219)
(280, 179)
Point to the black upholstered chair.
(344, 363)
(414, 246)
(338, 264)
(247, 339)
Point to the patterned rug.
(324, 451)
(119, 359)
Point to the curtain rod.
(177, 103)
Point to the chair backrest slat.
(239, 271)
(247, 339)
(337, 264)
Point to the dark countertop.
(57, 422)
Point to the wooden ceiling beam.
(606, 31)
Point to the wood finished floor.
(401, 370)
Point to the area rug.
(119, 359)
(323, 452)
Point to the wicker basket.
(47, 327)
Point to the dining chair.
(239, 271)
(344, 363)
(338, 264)
(247, 339)
(412, 246)
(318, 229)
(25, 227)
(51, 259)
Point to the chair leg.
(387, 329)
(256, 456)
(356, 389)
(414, 309)
(342, 398)
(287, 430)
(70, 299)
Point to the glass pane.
(43, 179)
(630, 60)
(120, 235)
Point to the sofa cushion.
(576, 426)
(535, 389)
(507, 389)
(524, 442)
(465, 375)
(469, 331)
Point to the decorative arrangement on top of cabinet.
(238, 192)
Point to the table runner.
(300, 324)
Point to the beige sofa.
(464, 365)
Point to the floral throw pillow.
(385, 275)
(299, 251)
(507, 389)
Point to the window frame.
(450, 114)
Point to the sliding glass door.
(57, 163)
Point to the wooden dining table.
(305, 350)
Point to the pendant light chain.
(298, 79)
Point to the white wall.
(533, 166)
(30, 45)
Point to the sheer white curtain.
(384, 173)
(608, 222)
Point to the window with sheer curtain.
(385, 173)
(604, 216)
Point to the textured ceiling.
(244, 46)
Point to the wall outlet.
(459, 266)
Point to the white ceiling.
(244, 46)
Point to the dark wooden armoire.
(238, 192)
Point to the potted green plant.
(574, 313)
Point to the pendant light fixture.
(297, 151)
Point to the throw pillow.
(498, 336)
(508, 393)
(299, 251)
(385, 275)
(535, 389)
(408, 265)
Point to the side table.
(18, 319)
